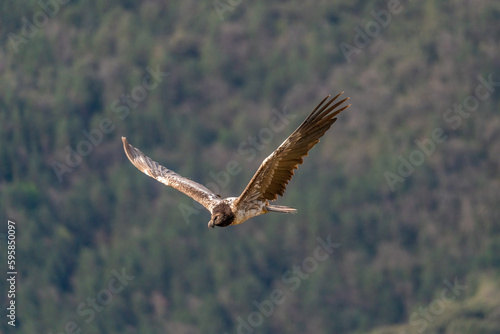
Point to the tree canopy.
(397, 205)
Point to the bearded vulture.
(269, 181)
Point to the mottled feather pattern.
(277, 170)
(266, 185)
(170, 178)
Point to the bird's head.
(222, 216)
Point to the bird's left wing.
(277, 169)
(151, 168)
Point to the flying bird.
(269, 181)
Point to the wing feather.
(164, 175)
(277, 169)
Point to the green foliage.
(225, 77)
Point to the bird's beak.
(211, 224)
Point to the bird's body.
(269, 181)
(242, 215)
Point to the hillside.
(404, 188)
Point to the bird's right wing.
(277, 169)
(160, 173)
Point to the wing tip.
(128, 150)
(125, 142)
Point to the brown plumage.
(269, 181)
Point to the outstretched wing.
(151, 168)
(277, 169)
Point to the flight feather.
(170, 178)
(277, 169)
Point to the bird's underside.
(269, 181)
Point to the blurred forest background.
(420, 253)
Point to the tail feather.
(281, 208)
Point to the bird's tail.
(281, 208)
